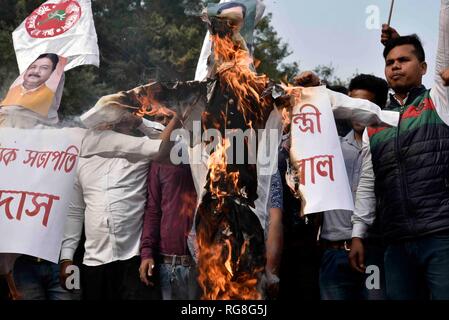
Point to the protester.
(109, 201)
(337, 280)
(300, 253)
(165, 257)
(405, 170)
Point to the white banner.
(316, 154)
(37, 170)
(63, 27)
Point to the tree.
(327, 75)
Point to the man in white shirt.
(110, 198)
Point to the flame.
(293, 92)
(294, 98)
(286, 117)
(220, 179)
(234, 69)
(217, 279)
(151, 107)
(220, 274)
(228, 263)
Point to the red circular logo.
(52, 19)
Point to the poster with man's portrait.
(36, 88)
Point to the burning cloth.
(230, 240)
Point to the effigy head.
(227, 20)
(235, 19)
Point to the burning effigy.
(230, 237)
(230, 240)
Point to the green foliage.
(327, 75)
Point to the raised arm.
(344, 107)
(360, 110)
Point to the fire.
(293, 92)
(286, 117)
(151, 107)
(234, 69)
(227, 267)
(218, 280)
(228, 263)
(220, 179)
(292, 98)
(219, 276)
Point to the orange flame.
(294, 98)
(234, 69)
(293, 92)
(218, 280)
(219, 177)
(151, 107)
(228, 263)
(221, 276)
(286, 117)
(217, 277)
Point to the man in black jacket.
(405, 173)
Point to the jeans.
(40, 280)
(337, 280)
(179, 282)
(418, 269)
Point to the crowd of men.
(132, 214)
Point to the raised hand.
(388, 33)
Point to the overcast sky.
(335, 31)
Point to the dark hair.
(341, 89)
(378, 86)
(53, 57)
(400, 41)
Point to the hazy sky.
(334, 31)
